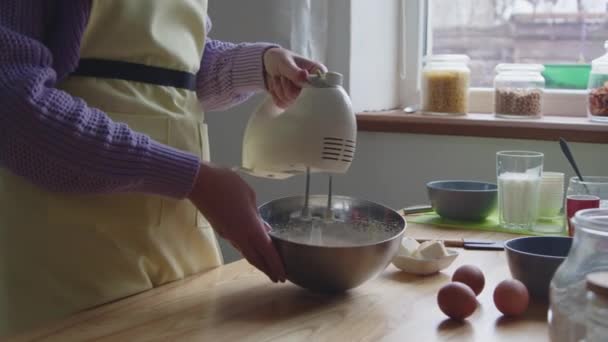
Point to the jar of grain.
(518, 90)
(597, 100)
(445, 85)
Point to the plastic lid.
(603, 60)
(325, 80)
(519, 67)
(553, 175)
(553, 178)
(447, 59)
(597, 282)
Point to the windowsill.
(576, 129)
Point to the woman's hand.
(286, 72)
(229, 205)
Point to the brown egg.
(511, 297)
(457, 300)
(470, 275)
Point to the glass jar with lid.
(597, 99)
(596, 314)
(445, 85)
(568, 289)
(518, 90)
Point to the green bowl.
(567, 76)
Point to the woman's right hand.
(229, 204)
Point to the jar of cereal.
(597, 100)
(445, 85)
(518, 90)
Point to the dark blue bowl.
(462, 200)
(533, 260)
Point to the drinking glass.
(551, 204)
(519, 177)
(592, 186)
(575, 203)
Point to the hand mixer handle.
(267, 109)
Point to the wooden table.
(235, 302)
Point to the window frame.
(416, 23)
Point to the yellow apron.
(62, 253)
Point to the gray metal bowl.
(372, 234)
(463, 200)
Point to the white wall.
(388, 168)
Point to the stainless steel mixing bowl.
(326, 266)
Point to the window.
(563, 35)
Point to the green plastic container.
(566, 76)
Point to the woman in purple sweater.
(104, 168)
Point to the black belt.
(135, 72)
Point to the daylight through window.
(563, 35)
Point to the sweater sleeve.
(230, 73)
(56, 141)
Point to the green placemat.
(490, 224)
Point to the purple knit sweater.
(59, 143)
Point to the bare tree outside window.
(564, 35)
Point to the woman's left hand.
(286, 72)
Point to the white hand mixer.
(318, 132)
(324, 246)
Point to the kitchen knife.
(471, 244)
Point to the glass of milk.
(519, 176)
